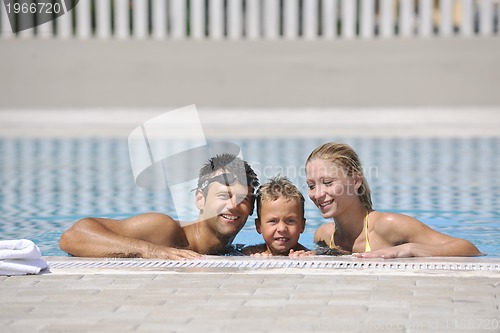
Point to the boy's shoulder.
(252, 249)
(300, 247)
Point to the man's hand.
(164, 252)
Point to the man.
(224, 198)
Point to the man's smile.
(230, 217)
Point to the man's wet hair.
(232, 165)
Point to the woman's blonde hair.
(344, 156)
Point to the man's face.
(227, 207)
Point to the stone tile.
(225, 301)
(294, 324)
(298, 301)
(437, 293)
(162, 327)
(288, 312)
(345, 310)
(273, 292)
(171, 280)
(19, 281)
(245, 278)
(22, 296)
(435, 282)
(191, 295)
(15, 310)
(135, 310)
(144, 300)
(341, 322)
(100, 327)
(250, 324)
(346, 297)
(237, 292)
(429, 302)
(47, 293)
(268, 302)
(30, 324)
(203, 292)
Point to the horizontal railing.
(261, 19)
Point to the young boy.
(280, 219)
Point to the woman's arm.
(147, 236)
(415, 239)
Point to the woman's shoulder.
(395, 224)
(324, 233)
(388, 219)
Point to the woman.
(339, 189)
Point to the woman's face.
(329, 187)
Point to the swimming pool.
(453, 185)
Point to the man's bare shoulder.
(153, 217)
(157, 228)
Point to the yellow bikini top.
(367, 242)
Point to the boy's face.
(226, 207)
(280, 222)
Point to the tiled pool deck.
(318, 294)
(245, 294)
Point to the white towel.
(19, 257)
(22, 266)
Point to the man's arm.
(149, 235)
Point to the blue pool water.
(453, 185)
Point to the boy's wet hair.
(279, 187)
(232, 165)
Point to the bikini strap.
(332, 241)
(367, 242)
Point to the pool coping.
(436, 266)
